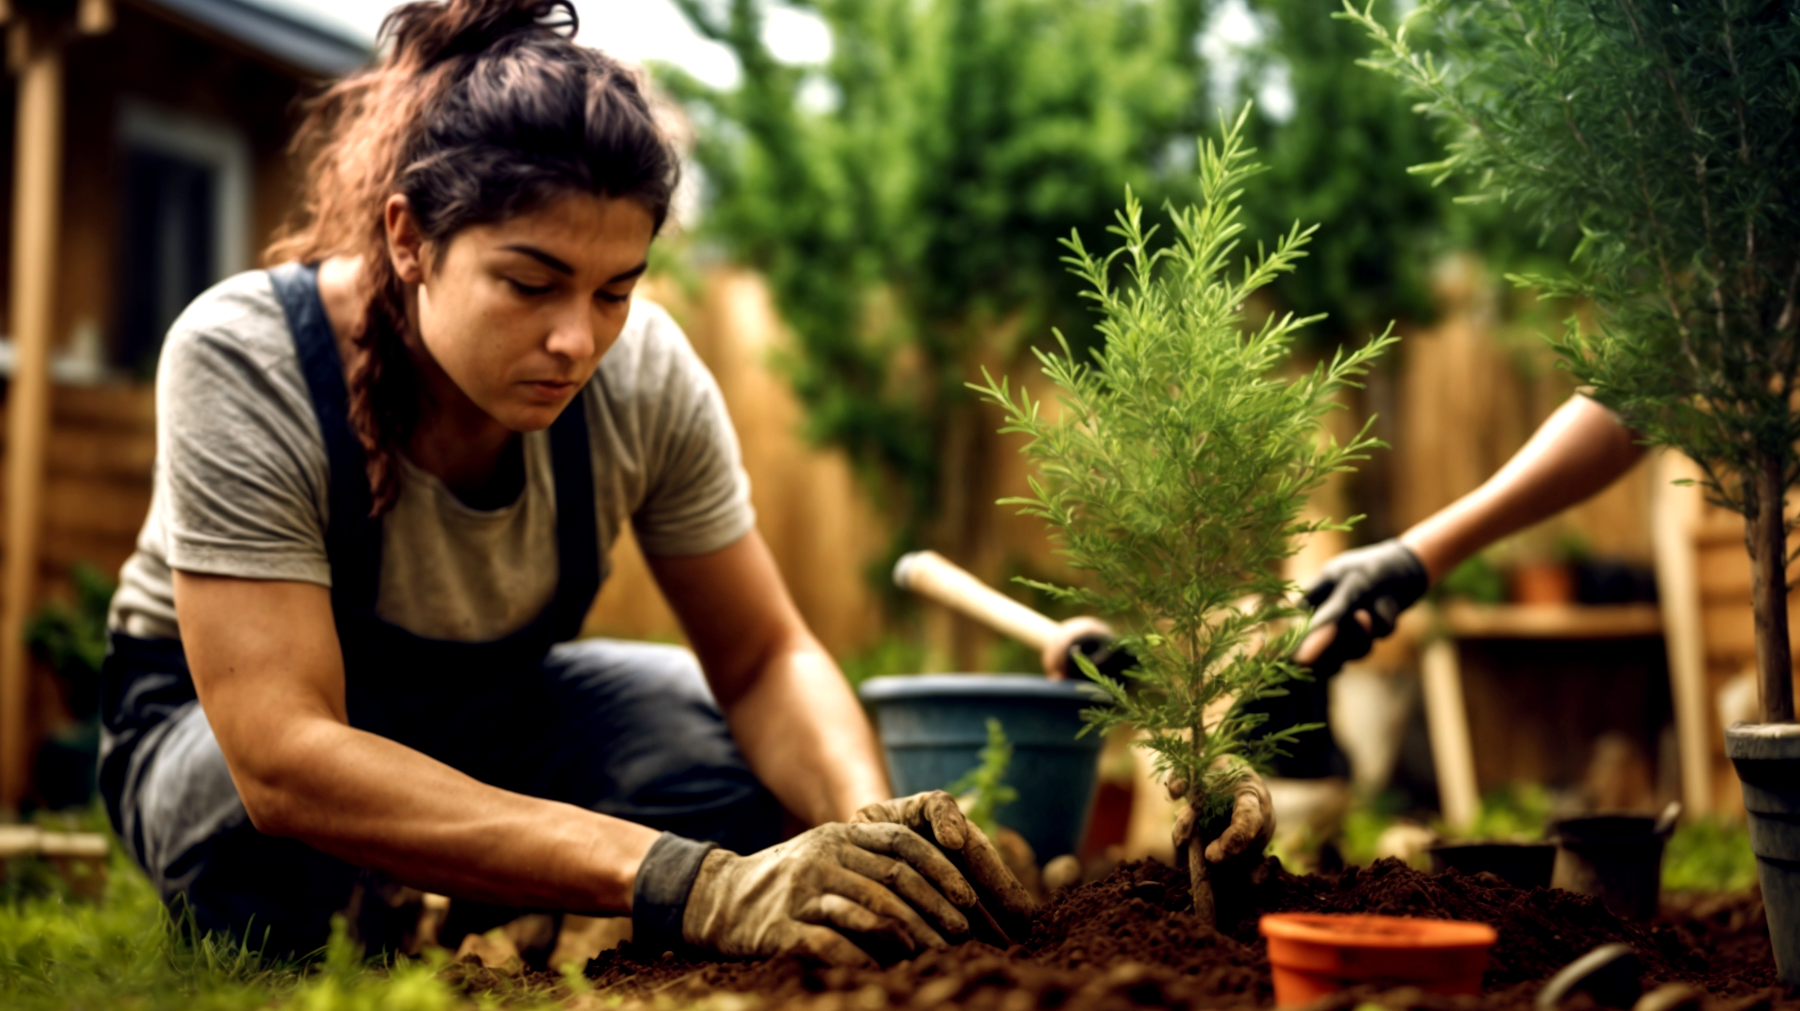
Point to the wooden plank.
(1723, 572)
(37, 199)
(1447, 721)
(1729, 631)
(1680, 585)
(62, 550)
(127, 457)
(1574, 621)
(114, 406)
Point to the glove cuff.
(659, 896)
(1413, 583)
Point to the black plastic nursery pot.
(1767, 756)
(1522, 865)
(933, 727)
(1617, 857)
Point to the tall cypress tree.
(1669, 134)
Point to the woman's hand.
(1252, 820)
(1005, 908)
(1357, 599)
(840, 894)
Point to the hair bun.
(425, 33)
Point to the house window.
(184, 216)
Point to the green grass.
(1703, 855)
(122, 951)
(1709, 855)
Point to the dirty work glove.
(837, 894)
(1003, 914)
(1380, 581)
(1252, 819)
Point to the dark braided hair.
(479, 111)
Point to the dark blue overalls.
(626, 729)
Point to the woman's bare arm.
(266, 663)
(788, 705)
(1576, 452)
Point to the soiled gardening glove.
(1003, 914)
(840, 894)
(1379, 581)
(1252, 819)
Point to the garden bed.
(1129, 941)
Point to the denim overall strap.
(412, 688)
(577, 525)
(352, 541)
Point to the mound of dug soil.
(1130, 941)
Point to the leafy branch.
(1176, 468)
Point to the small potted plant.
(1666, 133)
(1174, 476)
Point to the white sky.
(636, 30)
(640, 30)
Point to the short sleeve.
(241, 466)
(697, 495)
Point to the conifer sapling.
(1175, 476)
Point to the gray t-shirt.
(241, 478)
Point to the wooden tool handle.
(935, 577)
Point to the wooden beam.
(37, 200)
(1675, 518)
(1447, 722)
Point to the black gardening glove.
(1381, 581)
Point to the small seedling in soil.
(985, 785)
(1175, 475)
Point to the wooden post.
(1447, 721)
(37, 174)
(1674, 515)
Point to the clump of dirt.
(1131, 941)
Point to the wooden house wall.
(102, 441)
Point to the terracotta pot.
(1315, 954)
(1543, 583)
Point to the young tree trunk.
(1765, 534)
(1198, 882)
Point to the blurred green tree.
(904, 201)
(1338, 158)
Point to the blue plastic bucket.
(933, 727)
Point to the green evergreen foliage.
(1669, 134)
(986, 783)
(903, 199)
(1176, 471)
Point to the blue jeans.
(626, 729)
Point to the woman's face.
(518, 314)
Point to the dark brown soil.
(1129, 940)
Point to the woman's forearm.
(389, 808)
(1576, 452)
(806, 738)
